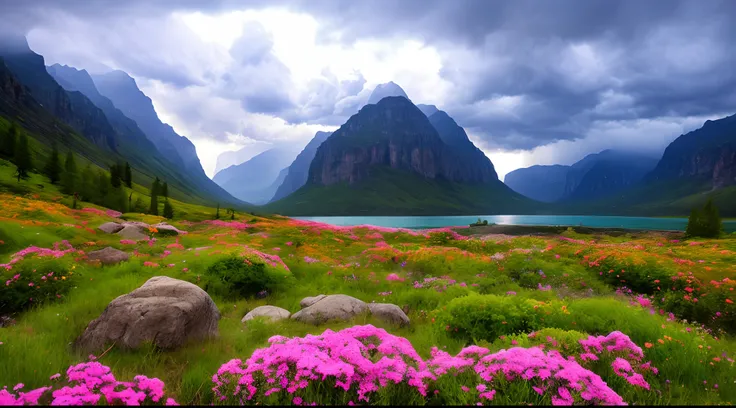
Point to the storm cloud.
(521, 76)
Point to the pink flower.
(55, 376)
(297, 401)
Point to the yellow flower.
(63, 278)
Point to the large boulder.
(309, 301)
(140, 224)
(110, 227)
(165, 311)
(332, 307)
(389, 312)
(108, 256)
(272, 312)
(164, 227)
(133, 232)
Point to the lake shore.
(544, 230)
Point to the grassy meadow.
(672, 297)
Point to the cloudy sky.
(533, 82)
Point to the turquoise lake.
(639, 223)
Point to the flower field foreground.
(362, 364)
(643, 318)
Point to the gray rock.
(309, 301)
(273, 312)
(136, 224)
(389, 312)
(108, 256)
(132, 232)
(162, 226)
(110, 227)
(332, 307)
(165, 311)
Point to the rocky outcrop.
(323, 308)
(108, 256)
(170, 229)
(164, 311)
(272, 312)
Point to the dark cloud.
(523, 73)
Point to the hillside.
(298, 171)
(94, 129)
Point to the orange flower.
(660, 341)
(648, 345)
(729, 301)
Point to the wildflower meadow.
(568, 319)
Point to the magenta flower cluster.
(56, 252)
(629, 356)
(362, 360)
(89, 383)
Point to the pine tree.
(165, 190)
(154, 197)
(139, 206)
(168, 210)
(712, 224)
(693, 223)
(116, 175)
(87, 188)
(103, 185)
(69, 182)
(7, 148)
(128, 176)
(217, 214)
(23, 163)
(53, 166)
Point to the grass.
(580, 298)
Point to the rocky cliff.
(396, 134)
(708, 153)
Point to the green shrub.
(486, 317)
(34, 282)
(236, 277)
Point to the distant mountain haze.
(298, 171)
(234, 157)
(594, 176)
(253, 181)
(541, 183)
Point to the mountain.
(123, 91)
(389, 159)
(708, 153)
(384, 90)
(298, 171)
(541, 183)
(232, 158)
(253, 180)
(695, 167)
(71, 119)
(596, 175)
(71, 108)
(427, 110)
(608, 173)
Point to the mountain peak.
(384, 90)
(428, 110)
(14, 43)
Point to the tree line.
(107, 189)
